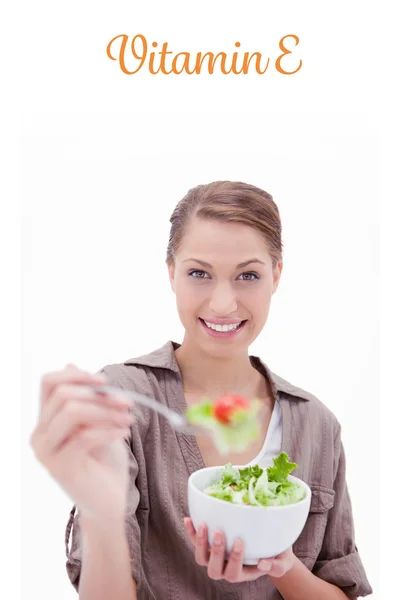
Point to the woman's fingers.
(76, 415)
(90, 439)
(265, 565)
(70, 374)
(214, 558)
(201, 552)
(277, 566)
(190, 530)
(72, 463)
(234, 567)
(66, 393)
(217, 557)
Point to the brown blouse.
(161, 461)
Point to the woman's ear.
(277, 276)
(171, 275)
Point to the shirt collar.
(164, 358)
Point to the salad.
(233, 418)
(256, 486)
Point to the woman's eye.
(249, 276)
(196, 274)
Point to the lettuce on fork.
(256, 486)
(234, 435)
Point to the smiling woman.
(127, 475)
(232, 231)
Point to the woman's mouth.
(227, 330)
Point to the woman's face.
(223, 280)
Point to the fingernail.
(264, 565)
(237, 546)
(201, 530)
(217, 539)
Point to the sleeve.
(73, 531)
(339, 562)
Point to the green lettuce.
(232, 437)
(256, 486)
(229, 475)
(281, 469)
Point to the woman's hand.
(233, 570)
(79, 439)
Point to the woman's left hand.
(233, 570)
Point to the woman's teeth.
(222, 327)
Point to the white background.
(104, 159)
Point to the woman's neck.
(203, 374)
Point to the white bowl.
(265, 530)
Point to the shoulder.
(305, 402)
(124, 377)
(135, 373)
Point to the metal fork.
(178, 422)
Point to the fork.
(179, 422)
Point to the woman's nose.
(223, 301)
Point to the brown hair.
(229, 201)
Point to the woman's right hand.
(79, 439)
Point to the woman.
(131, 537)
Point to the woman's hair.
(232, 202)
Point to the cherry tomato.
(227, 405)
